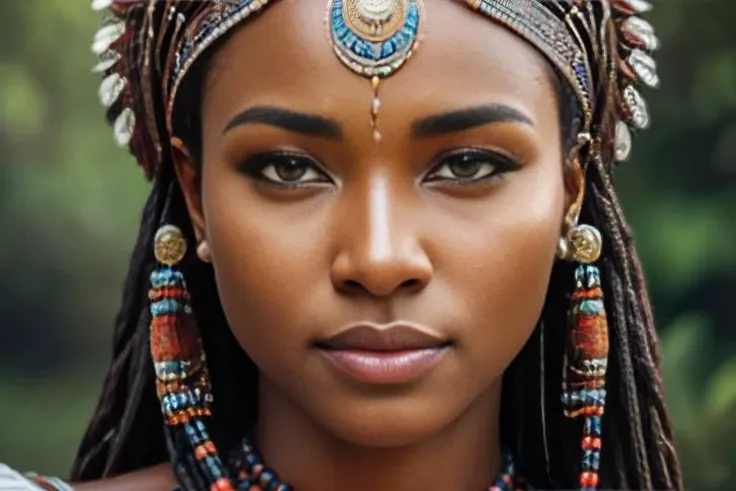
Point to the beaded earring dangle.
(586, 354)
(182, 380)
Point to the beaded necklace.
(255, 476)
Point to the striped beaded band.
(548, 33)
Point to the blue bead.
(191, 431)
(165, 306)
(593, 426)
(266, 478)
(214, 466)
(587, 460)
(595, 461)
(251, 460)
(591, 306)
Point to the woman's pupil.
(464, 167)
(291, 170)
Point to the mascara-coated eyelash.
(285, 169)
(468, 166)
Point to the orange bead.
(200, 452)
(210, 446)
(590, 443)
(222, 484)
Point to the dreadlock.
(126, 432)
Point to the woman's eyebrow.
(467, 118)
(304, 123)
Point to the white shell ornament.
(640, 67)
(639, 33)
(111, 88)
(622, 142)
(98, 5)
(635, 108)
(124, 127)
(108, 60)
(632, 7)
(106, 36)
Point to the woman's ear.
(189, 181)
(574, 179)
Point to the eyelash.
(257, 168)
(498, 163)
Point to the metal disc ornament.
(374, 37)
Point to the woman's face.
(448, 224)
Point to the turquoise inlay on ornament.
(374, 38)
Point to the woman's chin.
(386, 424)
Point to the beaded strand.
(586, 361)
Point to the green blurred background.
(70, 202)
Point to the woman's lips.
(384, 367)
(389, 354)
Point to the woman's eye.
(470, 166)
(285, 169)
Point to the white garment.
(11, 480)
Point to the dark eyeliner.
(501, 163)
(253, 167)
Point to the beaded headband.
(601, 47)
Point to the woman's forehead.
(284, 56)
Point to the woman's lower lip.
(384, 367)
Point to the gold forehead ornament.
(374, 38)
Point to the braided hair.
(126, 432)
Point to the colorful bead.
(593, 426)
(590, 443)
(222, 485)
(589, 479)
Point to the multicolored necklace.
(255, 476)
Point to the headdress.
(147, 48)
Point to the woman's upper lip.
(392, 337)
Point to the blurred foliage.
(70, 202)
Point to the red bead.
(589, 479)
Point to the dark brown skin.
(389, 233)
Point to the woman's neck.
(463, 456)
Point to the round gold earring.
(586, 244)
(170, 246)
(203, 251)
(582, 244)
